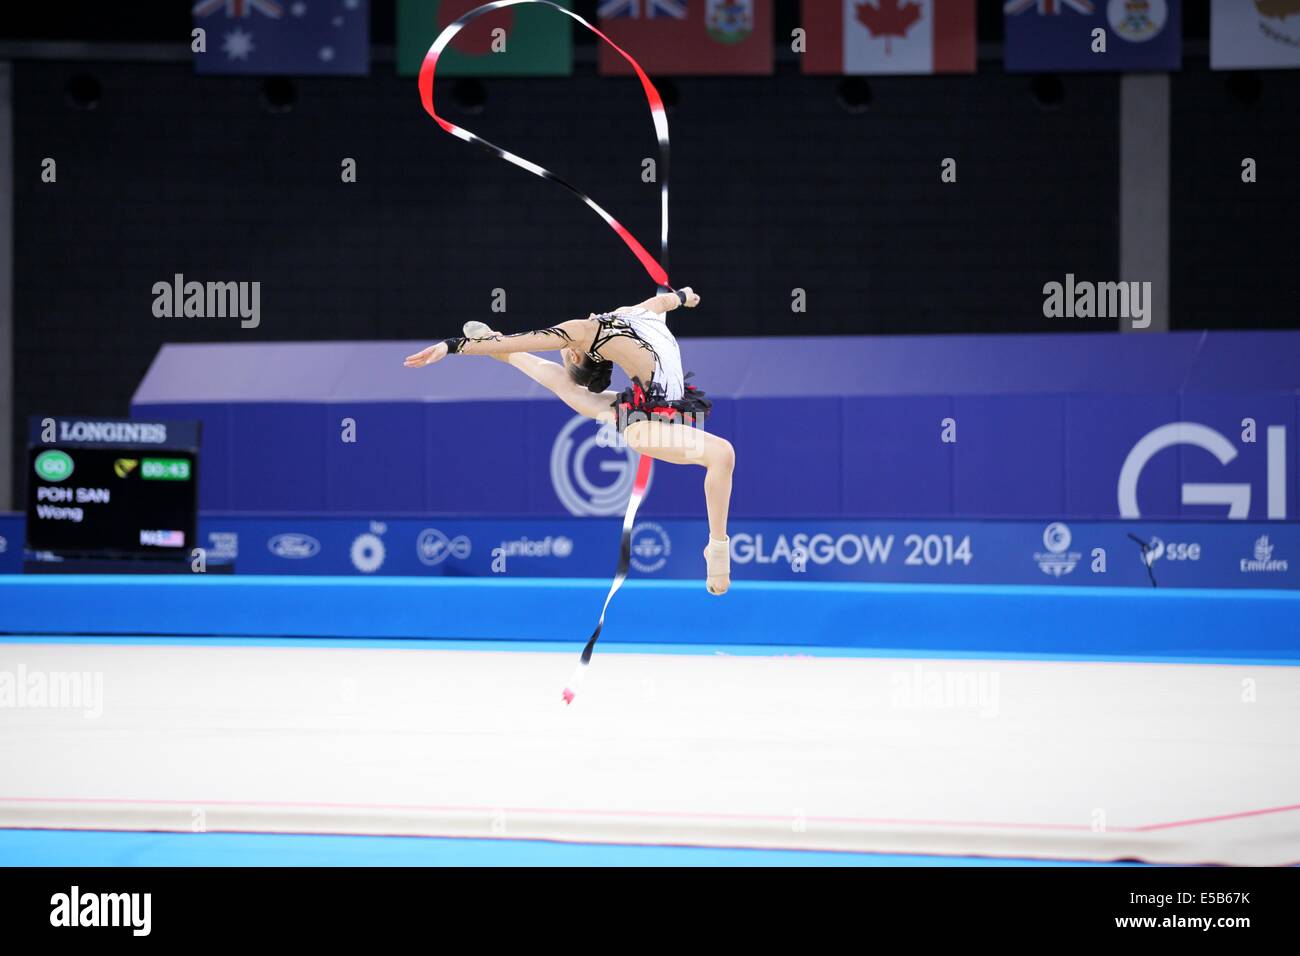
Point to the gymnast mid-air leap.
(657, 414)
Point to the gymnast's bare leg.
(686, 445)
(666, 441)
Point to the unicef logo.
(651, 547)
(552, 546)
(1056, 537)
(368, 553)
(434, 547)
(570, 463)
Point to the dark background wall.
(776, 186)
(1235, 247)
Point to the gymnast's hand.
(434, 353)
(692, 300)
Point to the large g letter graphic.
(1235, 496)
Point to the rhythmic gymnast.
(659, 419)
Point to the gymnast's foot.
(474, 329)
(717, 555)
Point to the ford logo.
(294, 546)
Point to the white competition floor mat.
(1167, 763)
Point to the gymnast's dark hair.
(593, 374)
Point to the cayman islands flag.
(687, 36)
(889, 36)
(283, 36)
(1057, 35)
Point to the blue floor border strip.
(1126, 622)
(117, 849)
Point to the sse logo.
(1174, 551)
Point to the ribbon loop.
(656, 269)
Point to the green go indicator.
(53, 465)
(165, 469)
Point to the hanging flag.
(889, 36)
(521, 40)
(687, 36)
(1255, 34)
(1058, 35)
(283, 36)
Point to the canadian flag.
(889, 36)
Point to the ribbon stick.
(656, 269)
(624, 560)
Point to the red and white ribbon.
(657, 269)
(624, 560)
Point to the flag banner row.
(889, 36)
(736, 37)
(1092, 35)
(526, 39)
(1255, 34)
(688, 36)
(297, 37)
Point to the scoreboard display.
(109, 488)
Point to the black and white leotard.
(651, 332)
(667, 395)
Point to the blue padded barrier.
(1116, 622)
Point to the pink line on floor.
(866, 821)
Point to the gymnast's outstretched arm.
(575, 333)
(667, 301)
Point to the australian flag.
(1045, 36)
(283, 36)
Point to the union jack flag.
(642, 9)
(1048, 6)
(238, 8)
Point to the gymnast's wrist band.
(681, 296)
(453, 345)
